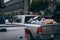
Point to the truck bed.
(51, 29)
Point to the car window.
(27, 18)
(17, 19)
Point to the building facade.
(14, 6)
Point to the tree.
(58, 7)
(2, 5)
(38, 5)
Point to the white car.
(11, 31)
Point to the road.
(12, 33)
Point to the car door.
(14, 32)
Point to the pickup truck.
(11, 31)
(36, 31)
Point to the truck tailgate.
(13, 33)
(51, 29)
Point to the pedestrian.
(6, 21)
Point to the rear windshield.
(32, 18)
(17, 19)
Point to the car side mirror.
(3, 30)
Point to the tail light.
(39, 29)
(26, 33)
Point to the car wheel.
(29, 37)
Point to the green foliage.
(38, 5)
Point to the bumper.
(47, 36)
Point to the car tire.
(29, 37)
